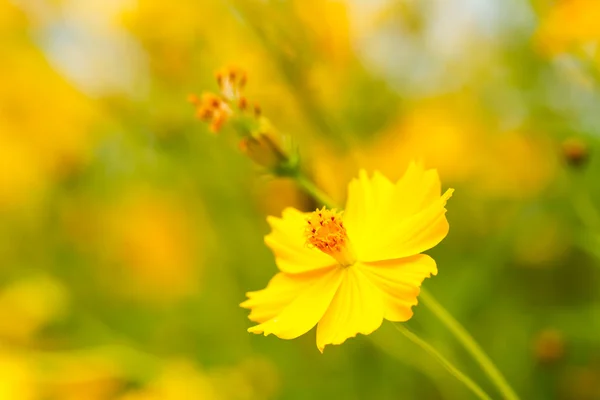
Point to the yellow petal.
(399, 282)
(288, 243)
(412, 235)
(282, 290)
(386, 221)
(367, 198)
(356, 308)
(416, 190)
(299, 316)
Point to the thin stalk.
(463, 336)
(584, 205)
(309, 187)
(590, 219)
(464, 379)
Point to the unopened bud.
(579, 382)
(549, 346)
(264, 149)
(575, 152)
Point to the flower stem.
(316, 193)
(469, 344)
(444, 361)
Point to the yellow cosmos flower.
(346, 272)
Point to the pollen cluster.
(217, 109)
(325, 231)
(211, 108)
(231, 81)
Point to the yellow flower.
(149, 233)
(568, 24)
(347, 272)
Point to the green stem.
(468, 382)
(586, 210)
(316, 193)
(469, 344)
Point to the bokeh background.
(129, 233)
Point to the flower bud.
(575, 152)
(264, 149)
(549, 346)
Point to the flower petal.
(288, 243)
(412, 235)
(303, 312)
(399, 282)
(367, 198)
(356, 308)
(386, 221)
(282, 290)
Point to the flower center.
(325, 231)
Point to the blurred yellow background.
(129, 233)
